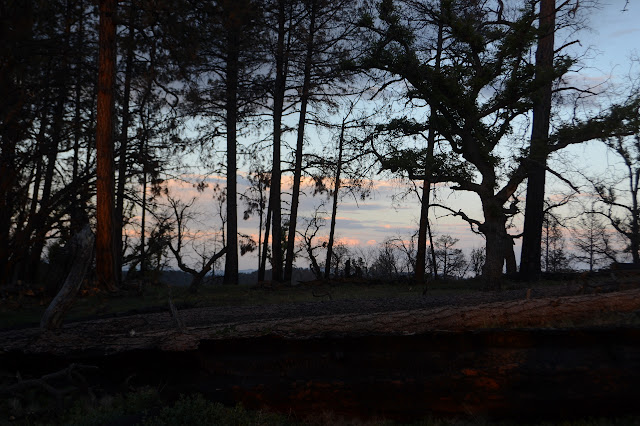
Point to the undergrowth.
(145, 407)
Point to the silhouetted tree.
(618, 193)
(592, 241)
(323, 35)
(534, 208)
(485, 82)
(554, 254)
(224, 88)
(450, 260)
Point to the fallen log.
(81, 250)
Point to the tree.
(385, 265)
(451, 261)
(281, 54)
(124, 138)
(224, 87)
(485, 82)
(105, 244)
(534, 208)
(256, 200)
(181, 218)
(347, 167)
(476, 261)
(49, 76)
(310, 243)
(323, 38)
(475, 58)
(424, 230)
(592, 241)
(554, 255)
(341, 253)
(408, 249)
(617, 193)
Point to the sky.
(612, 39)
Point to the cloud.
(623, 33)
(349, 241)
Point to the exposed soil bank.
(518, 374)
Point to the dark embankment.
(516, 374)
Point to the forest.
(153, 140)
(108, 106)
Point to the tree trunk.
(634, 241)
(233, 63)
(143, 214)
(8, 178)
(421, 255)
(432, 251)
(77, 216)
(494, 230)
(124, 142)
(34, 215)
(297, 174)
(41, 227)
(81, 253)
(262, 265)
(275, 196)
(534, 209)
(105, 247)
(510, 257)
(198, 276)
(334, 208)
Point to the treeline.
(103, 104)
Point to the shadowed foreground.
(402, 365)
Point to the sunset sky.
(612, 40)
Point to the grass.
(145, 407)
(26, 307)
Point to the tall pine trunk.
(534, 209)
(78, 216)
(143, 219)
(105, 246)
(334, 207)
(275, 196)
(124, 142)
(231, 257)
(297, 174)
